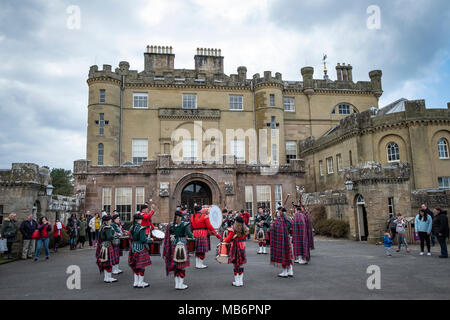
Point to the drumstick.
(284, 203)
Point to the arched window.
(443, 148)
(100, 154)
(344, 109)
(393, 152)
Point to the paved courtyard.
(337, 271)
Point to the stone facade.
(111, 172)
(356, 150)
(23, 191)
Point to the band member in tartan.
(300, 237)
(139, 257)
(105, 250)
(224, 225)
(201, 226)
(262, 227)
(236, 255)
(118, 232)
(280, 245)
(147, 218)
(309, 229)
(175, 251)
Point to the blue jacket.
(423, 226)
(387, 242)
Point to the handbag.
(3, 245)
(36, 234)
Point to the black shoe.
(46, 258)
(35, 259)
(443, 257)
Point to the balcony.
(179, 113)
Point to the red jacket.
(246, 217)
(147, 221)
(55, 230)
(231, 235)
(202, 222)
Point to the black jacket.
(440, 224)
(27, 228)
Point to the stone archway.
(199, 178)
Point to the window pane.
(263, 197)
(106, 199)
(189, 150)
(189, 101)
(139, 150)
(272, 100)
(100, 154)
(330, 165)
(393, 152)
(123, 203)
(443, 148)
(238, 149)
(236, 102)
(344, 109)
(289, 104)
(140, 100)
(140, 198)
(249, 199)
(102, 96)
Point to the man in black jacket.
(441, 230)
(27, 228)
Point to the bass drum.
(215, 216)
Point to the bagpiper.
(302, 238)
(201, 225)
(105, 254)
(175, 251)
(262, 228)
(236, 256)
(139, 257)
(118, 232)
(280, 244)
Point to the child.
(387, 244)
(237, 255)
(401, 231)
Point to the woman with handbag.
(44, 229)
(9, 232)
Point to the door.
(196, 193)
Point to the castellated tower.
(270, 112)
(103, 130)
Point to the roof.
(394, 107)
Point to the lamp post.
(50, 189)
(349, 185)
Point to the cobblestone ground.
(338, 270)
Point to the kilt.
(112, 258)
(202, 243)
(178, 265)
(237, 254)
(139, 260)
(118, 252)
(266, 236)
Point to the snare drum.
(158, 235)
(191, 245)
(155, 248)
(124, 243)
(222, 253)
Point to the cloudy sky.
(45, 58)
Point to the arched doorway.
(196, 192)
(361, 218)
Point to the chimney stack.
(159, 59)
(208, 60)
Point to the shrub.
(332, 228)
(339, 229)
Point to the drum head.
(158, 234)
(215, 216)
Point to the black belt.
(201, 229)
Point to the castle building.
(199, 135)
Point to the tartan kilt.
(118, 252)
(202, 243)
(139, 260)
(179, 265)
(111, 258)
(237, 254)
